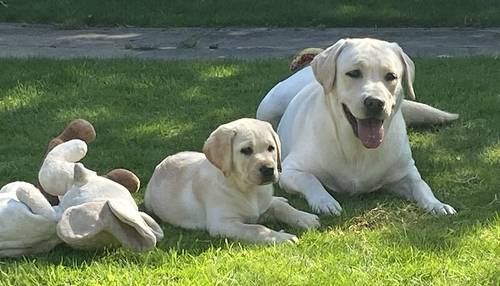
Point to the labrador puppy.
(345, 130)
(227, 190)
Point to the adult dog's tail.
(416, 113)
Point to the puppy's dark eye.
(247, 151)
(353, 74)
(270, 148)
(390, 76)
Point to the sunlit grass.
(20, 96)
(220, 71)
(146, 110)
(491, 154)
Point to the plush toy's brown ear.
(125, 178)
(324, 65)
(409, 71)
(106, 223)
(219, 149)
(278, 146)
(76, 129)
(53, 143)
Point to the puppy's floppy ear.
(277, 142)
(219, 149)
(324, 65)
(409, 71)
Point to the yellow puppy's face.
(247, 149)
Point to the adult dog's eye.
(270, 148)
(390, 76)
(247, 151)
(353, 74)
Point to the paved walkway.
(19, 40)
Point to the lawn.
(146, 110)
(283, 13)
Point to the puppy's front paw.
(325, 204)
(307, 220)
(439, 208)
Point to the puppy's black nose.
(374, 106)
(267, 172)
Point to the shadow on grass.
(144, 111)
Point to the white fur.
(320, 148)
(273, 105)
(277, 99)
(188, 190)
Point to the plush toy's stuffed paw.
(56, 174)
(35, 201)
(27, 221)
(76, 129)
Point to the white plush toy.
(99, 212)
(94, 211)
(27, 221)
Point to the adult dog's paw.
(324, 204)
(282, 237)
(439, 208)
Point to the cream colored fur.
(223, 190)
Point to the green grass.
(283, 13)
(146, 110)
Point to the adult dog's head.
(365, 77)
(247, 149)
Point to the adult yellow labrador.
(227, 190)
(345, 130)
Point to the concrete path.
(20, 40)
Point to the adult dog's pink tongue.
(370, 132)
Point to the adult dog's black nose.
(374, 106)
(267, 172)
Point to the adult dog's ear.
(324, 65)
(277, 142)
(409, 71)
(219, 149)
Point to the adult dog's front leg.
(250, 232)
(308, 185)
(414, 188)
(284, 212)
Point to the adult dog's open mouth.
(370, 130)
